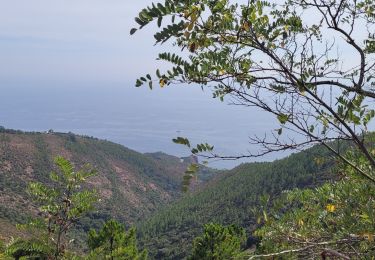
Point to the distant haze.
(137, 118)
(71, 66)
(80, 40)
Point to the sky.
(74, 40)
(84, 40)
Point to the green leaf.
(283, 118)
(160, 19)
(138, 83)
(132, 31)
(158, 73)
(182, 140)
(139, 21)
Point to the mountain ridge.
(132, 185)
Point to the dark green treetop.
(112, 241)
(218, 242)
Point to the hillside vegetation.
(145, 189)
(131, 185)
(234, 198)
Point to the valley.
(144, 190)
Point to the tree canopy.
(113, 242)
(218, 242)
(309, 63)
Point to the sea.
(139, 118)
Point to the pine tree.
(112, 241)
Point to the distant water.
(138, 118)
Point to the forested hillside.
(131, 185)
(234, 198)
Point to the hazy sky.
(85, 40)
(74, 40)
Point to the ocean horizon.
(138, 118)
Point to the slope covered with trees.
(236, 197)
(61, 205)
(131, 185)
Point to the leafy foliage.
(193, 168)
(60, 207)
(265, 54)
(334, 220)
(32, 249)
